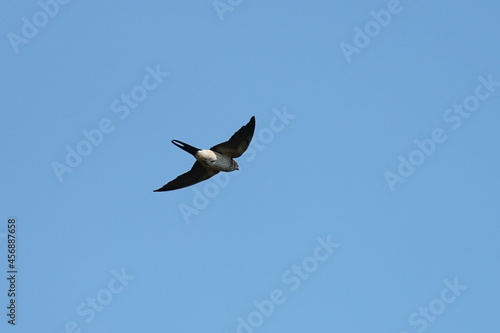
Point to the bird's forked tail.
(184, 146)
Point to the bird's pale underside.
(210, 162)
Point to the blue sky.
(368, 200)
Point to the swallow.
(210, 162)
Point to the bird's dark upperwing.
(239, 142)
(197, 174)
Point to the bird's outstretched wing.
(197, 174)
(239, 142)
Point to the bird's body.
(216, 161)
(211, 161)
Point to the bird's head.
(234, 165)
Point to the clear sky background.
(368, 201)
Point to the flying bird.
(210, 162)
